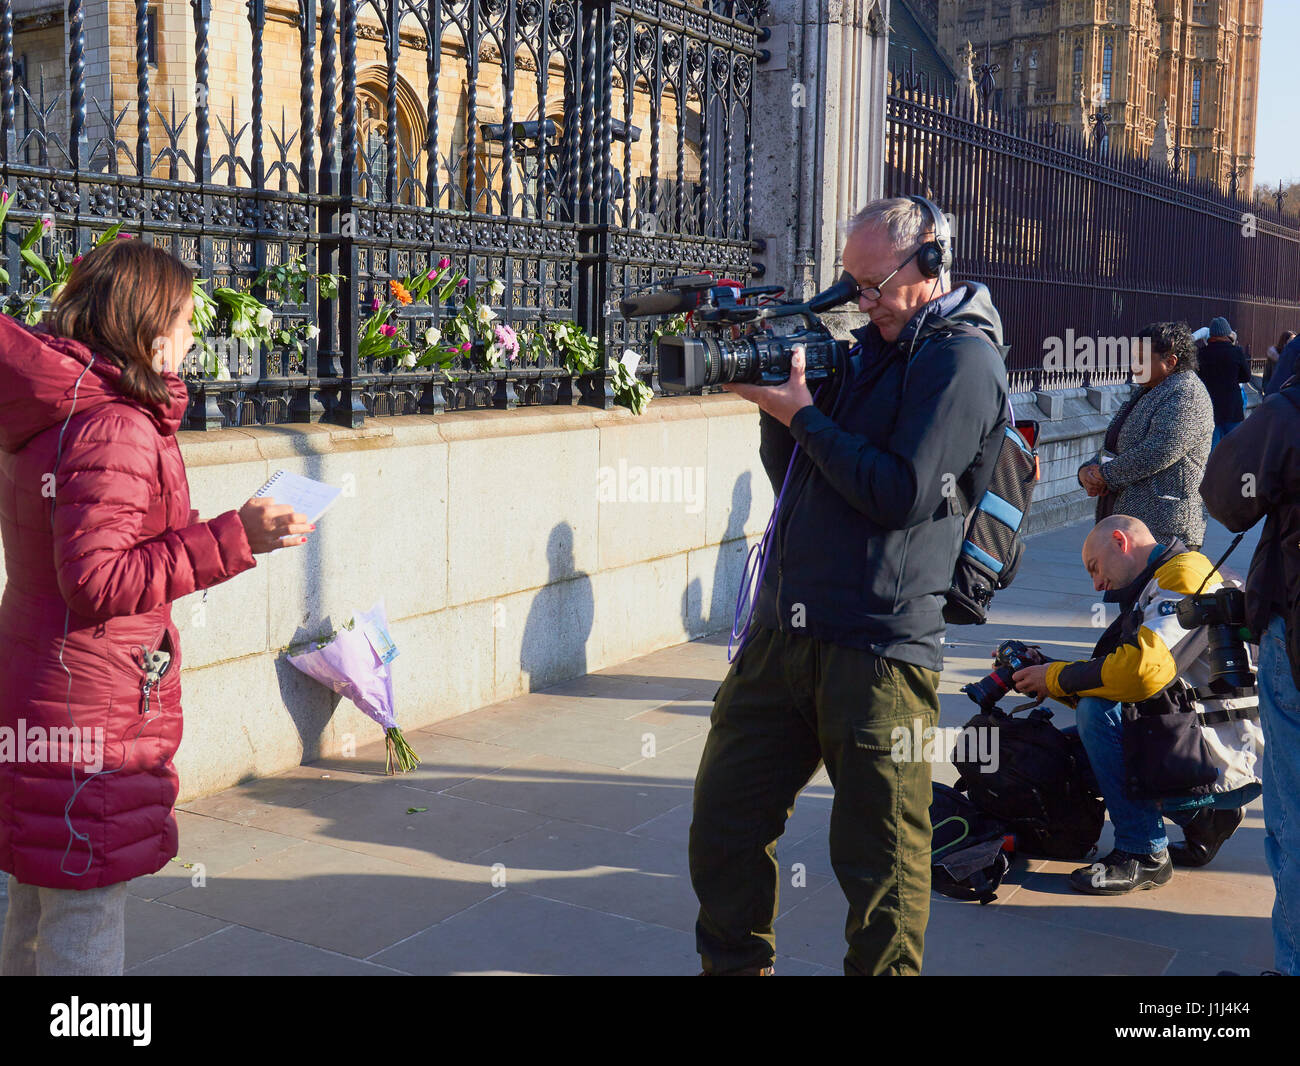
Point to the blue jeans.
(1221, 430)
(1279, 714)
(1139, 827)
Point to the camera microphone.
(666, 302)
(681, 294)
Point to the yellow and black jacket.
(1145, 648)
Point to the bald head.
(1116, 551)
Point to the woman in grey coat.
(1157, 444)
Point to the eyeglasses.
(873, 292)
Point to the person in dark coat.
(1287, 365)
(1224, 368)
(99, 539)
(1265, 454)
(1272, 356)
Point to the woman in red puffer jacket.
(99, 539)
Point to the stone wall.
(512, 550)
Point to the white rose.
(223, 372)
(408, 359)
(432, 336)
(486, 315)
(313, 332)
(498, 287)
(264, 318)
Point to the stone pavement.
(334, 868)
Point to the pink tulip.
(388, 330)
(77, 260)
(374, 304)
(466, 346)
(444, 263)
(462, 283)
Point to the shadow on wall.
(554, 645)
(309, 704)
(727, 567)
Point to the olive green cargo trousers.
(788, 704)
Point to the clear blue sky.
(1277, 133)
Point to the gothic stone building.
(1132, 59)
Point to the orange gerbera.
(400, 292)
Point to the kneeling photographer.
(849, 614)
(1254, 473)
(1165, 707)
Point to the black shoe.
(1123, 871)
(1204, 835)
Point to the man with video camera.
(1149, 659)
(1255, 473)
(849, 614)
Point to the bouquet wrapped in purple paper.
(354, 663)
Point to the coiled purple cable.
(751, 584)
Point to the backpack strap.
(970, 496)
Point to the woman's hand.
(1092, 481)
(270, 525)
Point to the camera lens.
(988, 690)
(730, 361)
(1229, 664)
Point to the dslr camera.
(734, 344)
(1010, 657)
(1223, 613)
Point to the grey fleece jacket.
(1160, 458)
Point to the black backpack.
(997, 499)
(970, 852)
(1042, 787)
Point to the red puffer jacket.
(99, 539)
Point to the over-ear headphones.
(934, 257)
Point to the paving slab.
(342, 901)
(515, 932)
(578, 792)
(236, 951)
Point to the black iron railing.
(1071, 234)
(587, 148)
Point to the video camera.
(723, 353)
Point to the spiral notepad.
(305, 496)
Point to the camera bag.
(1041, 788)
(970, 852)
(1178, 748)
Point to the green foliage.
(671, 327)
(581, 352)
(629, 391)
(54, 275)
(288, 280)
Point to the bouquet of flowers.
(354, 663)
